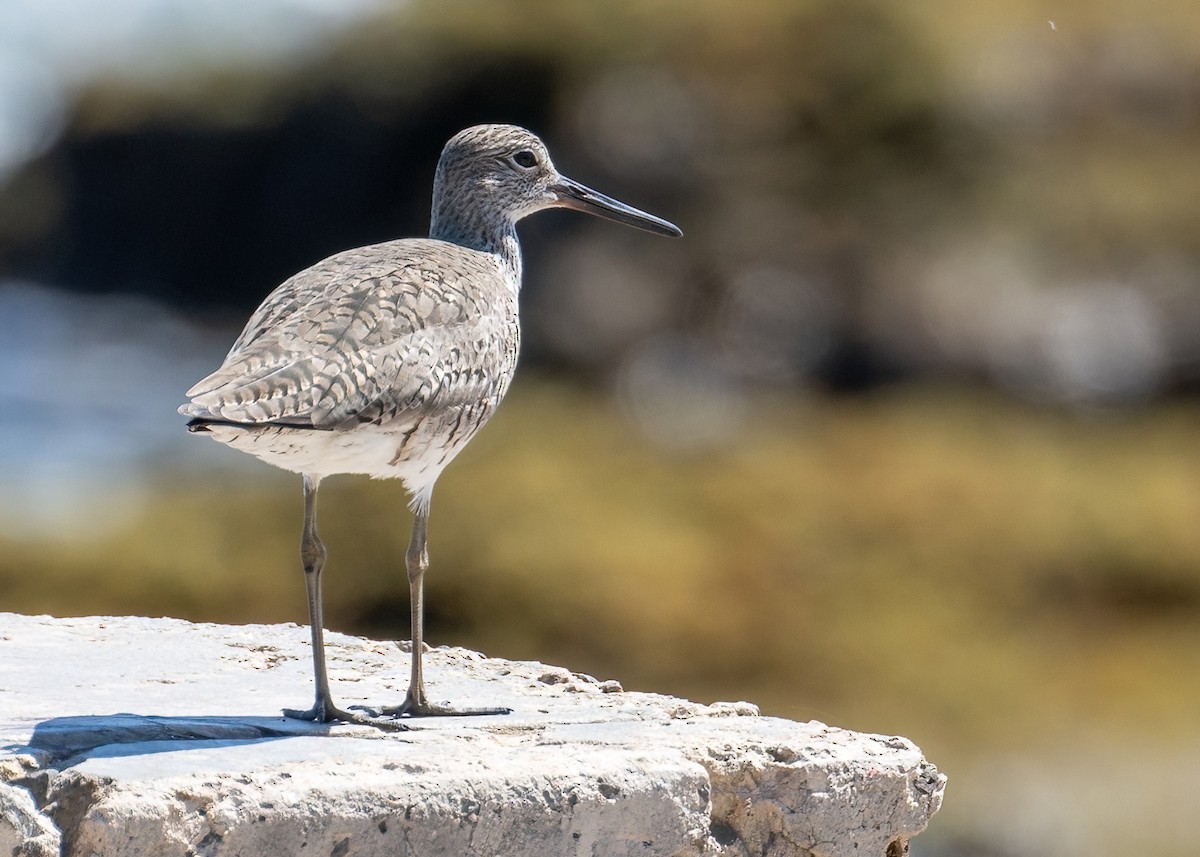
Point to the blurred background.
(903, 435)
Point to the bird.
(387, 359)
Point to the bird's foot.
(329, 713)
(423, 708)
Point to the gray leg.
(416, 560)
(416, 703)
(312, 554)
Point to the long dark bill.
(571, 194)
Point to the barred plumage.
(386, 360)
(371, 343)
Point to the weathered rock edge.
(205, 766)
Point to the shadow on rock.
(64, 738)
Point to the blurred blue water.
(48, 48)
(88, 395)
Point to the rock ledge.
(131, 736)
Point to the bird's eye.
(525, 158)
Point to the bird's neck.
(468, 228)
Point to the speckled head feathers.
(491, 176)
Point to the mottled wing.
(368, 334)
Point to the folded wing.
(363, 336)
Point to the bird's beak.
(571, 194)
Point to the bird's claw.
(411, 708)
(333, 714)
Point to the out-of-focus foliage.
(984, 579)
(870, 190)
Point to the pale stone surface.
(130, 736)
(24, 830)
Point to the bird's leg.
(416, 703)
(312, 554)
(416, 560)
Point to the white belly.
(415, 452)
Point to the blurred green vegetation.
(984, 578)
(995, 191)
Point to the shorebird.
(387, 359)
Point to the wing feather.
(366, 334)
